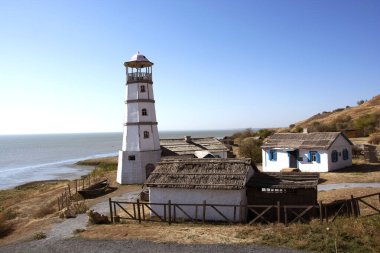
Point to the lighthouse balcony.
(139, 77)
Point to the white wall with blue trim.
(311, 160)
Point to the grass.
(344, 235)
(102, 165)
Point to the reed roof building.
(195, 181)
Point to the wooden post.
(143, 211)
(89, 179)
(138, 211)
(170, 212)
(352, 206)
(204, 211)
(326, 214)
(278, 212)
(68, 187)
(234, 213)
(174, 213)
(134, 210)
(320, 211)
(196, 213)
(286, 216)
(111, 213)
(165, 219)
(357, 207)
(82, 183)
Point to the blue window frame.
(334, 156)
(272, 155)
(313, 156)
(345, 154)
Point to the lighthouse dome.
(138, 60)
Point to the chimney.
(188, 138)
(305, 131)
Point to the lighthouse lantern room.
(141, 144)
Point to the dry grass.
(358, 235)
(359, 172)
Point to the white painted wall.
(197, 196)
(275, 166)
(340, 144)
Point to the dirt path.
(137, 246)
(66, 228)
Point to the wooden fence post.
(76, 185)
(320, 211)
(278, 212)
(286, 216)
(170, 212)
(138, 211)
(68, 187)
(352, 206)
(82, 183)
(111, 213)
(204, 211)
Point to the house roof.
(284, 180)
(175, 147)
(315, 140)
(217, 174)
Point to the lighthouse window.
(146, 134)
(144, 112)
(142, 88)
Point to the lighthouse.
(141, 143)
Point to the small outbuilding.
(193, 181)
(194, 147)
(309, 152)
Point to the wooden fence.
(173, 212)
(70, 192)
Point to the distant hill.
(365, 116)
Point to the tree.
(251, 148)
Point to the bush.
(368, 123)
(5, 227)
(374, 139)
(39, 236)
(45, 210)
(251, 148)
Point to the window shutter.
(275, 155)
(318, 157)
(309, 157)
(270, 155)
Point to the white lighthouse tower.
(141, 143)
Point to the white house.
(193, 181)
(309, 152)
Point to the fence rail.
(70, 192)
(177, 212)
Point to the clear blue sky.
(218, 64)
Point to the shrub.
(39, 236)
(360, 102)
(368, 122)
(374, 139)
(250, 148)
(45, 210)
(5, 227)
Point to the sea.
(29, 158)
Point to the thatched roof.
(175, 147)
(284, 180)
(303, 140)
(226, 174)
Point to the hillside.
(343, 118)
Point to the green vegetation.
(368, 122)
(102, 165)
(251, 148)
(250, 142)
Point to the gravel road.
(75, 245)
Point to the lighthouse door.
(149, 168)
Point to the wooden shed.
(289, 188)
